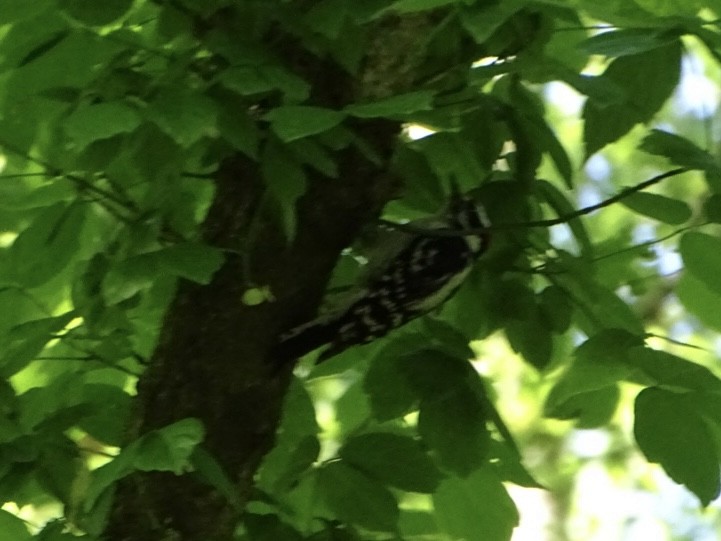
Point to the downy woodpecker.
(411, 276)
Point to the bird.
(413, 271)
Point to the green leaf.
(236, 126)
(699, 300)
(531, 338)
(169, 448)
(433, 372)
(556, 308)
(184, 115)
(210, 470)
(129, 277)
(482, 22)
(196, 262)
(389, 391)
(673, 372)
(454, 426)
(712, 208)
(396, 460)
(628, 41)
(293, 122)
(600, 362)
(327, 17)
(358, 499)
(166, 449)
(658, 207)
(669, 430)
(647, 79)
(531, 114)
(41, 49)
(451, 156)
(701, 255)
(679, 151)
(47, 245)
(249, 81)
(13, 528)
(409, 6)
(107, 420)
(17, 10)
(286, 181)
(563, 207)
(24, 342)
(269, 527)
(99, 121)
(403, 104)
(477, 507)
(93, 13)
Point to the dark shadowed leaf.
(453, 425)
(563, 207)
(396, 460)
(196, 262)
(669, 430)
(658, 207)
(390, 393)
(673, 372)
(356, 498)
(679, 150)
(94, 13)
(648, 79)
(628, 41)
(712, 208)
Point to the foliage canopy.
(183, 180)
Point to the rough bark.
(211, 360)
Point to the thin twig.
(409, 228)
(51, 171)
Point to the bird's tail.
(303, 339)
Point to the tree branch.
(537, 223)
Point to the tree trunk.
(211, 360)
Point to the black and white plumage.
(409, 276)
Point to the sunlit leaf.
(169, 448)
(702, 256)
(463, 512)
(700, 300)
(42, 250)
(24, 342)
